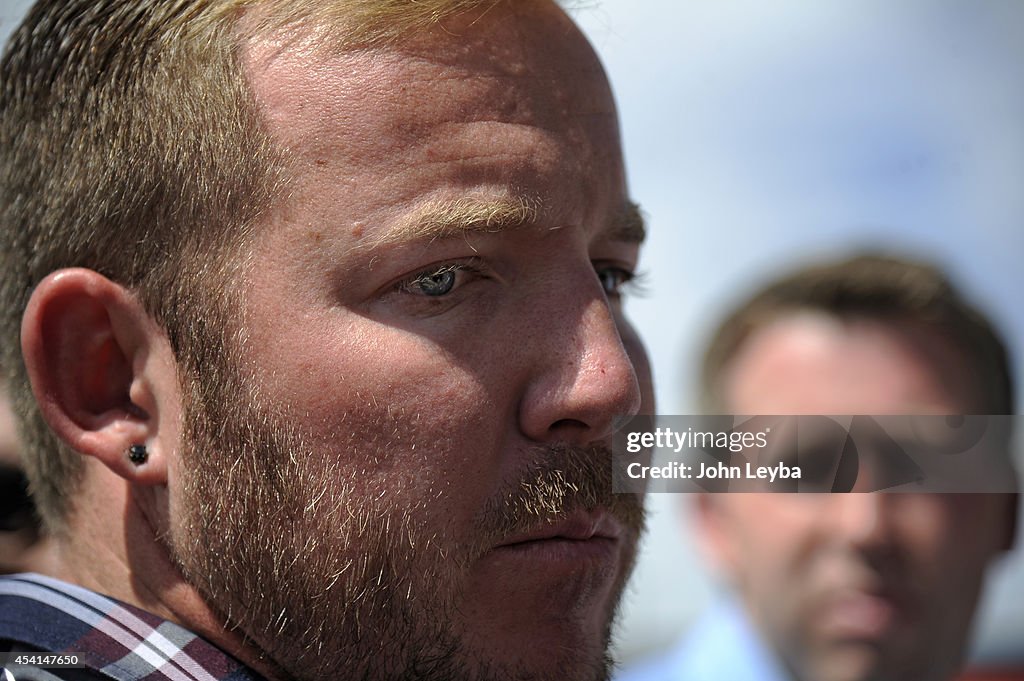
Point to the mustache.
(560, 480)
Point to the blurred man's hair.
(132, 145)
(877, 287)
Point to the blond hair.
(131, 144)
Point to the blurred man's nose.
(862, 519)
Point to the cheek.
(940, 530)
(928, 526)
(359, 373)
(392, 411)
(773, 537)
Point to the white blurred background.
(762, 134)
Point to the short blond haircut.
(131, 144)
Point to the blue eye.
(435, 284)
(613, 279)
(438, 281)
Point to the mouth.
(863, 615)
(578, 538)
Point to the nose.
(583, 379)
(862, 519)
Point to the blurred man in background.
(848, 587)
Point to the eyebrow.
(445, 219)
(628, 225)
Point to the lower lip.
(861, 617)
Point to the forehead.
(532, 43)
(517, 76)
(817, 364)
(505, 106)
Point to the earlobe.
(87, 344)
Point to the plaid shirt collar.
(115, 639)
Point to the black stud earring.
(138, 454)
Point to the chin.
(863, 662)
(568, 658)
(553, 629)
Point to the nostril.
(568, 424)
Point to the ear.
(101, 371)
(713, 535)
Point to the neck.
(114, 546)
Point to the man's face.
(429, 362)
(855, 586)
